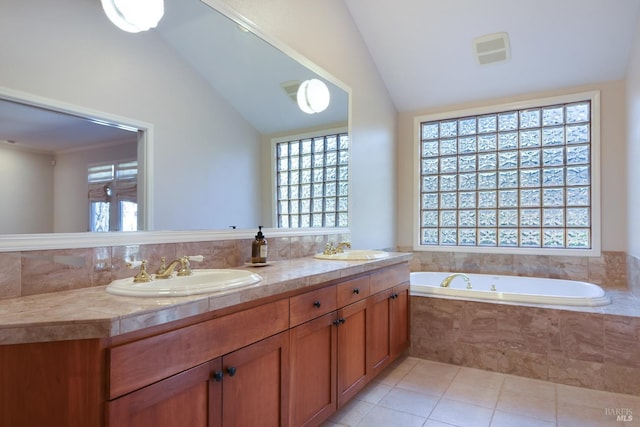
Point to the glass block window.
(516, 178)
(312, 181)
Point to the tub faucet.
(447, 281)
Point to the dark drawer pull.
(316, 304)
(339, 321)
(218, 376)
(356, 291)
(231, 371)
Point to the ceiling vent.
(492, 48)
(291, 88)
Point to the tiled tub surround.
(36, 272)
(93, 313)
(596, 347)
(608, 270)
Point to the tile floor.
(416, 392)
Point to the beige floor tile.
(572, 415)
(628, 401)
(528, 406)
(530, 387)
(424, 384)
(385, 417)
(461, 414)
(505, 419)
(476, 393)
(487, 379)
(373, 392)
(585, 397)
(352, 413)
(409, 401)
(412, 390)
(436, 369)
(396, 371)
(434, 423)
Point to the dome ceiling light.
(313, 96)
(134, 16)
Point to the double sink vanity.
(288, 346)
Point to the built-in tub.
(518, 289)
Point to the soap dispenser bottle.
(259, 248)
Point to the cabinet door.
(352, 350)
(399, 320)
(379, 347)
(255, 384)
(313, 371)
(183, 399)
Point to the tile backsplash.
(37, 272)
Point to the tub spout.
(447, 281)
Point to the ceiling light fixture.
(134, 16)
(313, 96)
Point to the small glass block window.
(312, 180)
(516, 178)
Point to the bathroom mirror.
(207, 94)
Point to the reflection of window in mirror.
(113, 204)
(311, 184)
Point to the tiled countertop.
(94, 313)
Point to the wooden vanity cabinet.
(195, 376)
(288, 362)
(389, 319)
(246, 387)
(335, 355)
(313, 371)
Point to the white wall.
(613, 161)
(324, 32)
(633, 146)
(26, 191)
(67, 50)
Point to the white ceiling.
(424, 53)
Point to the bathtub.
(510, 289)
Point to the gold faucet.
(142, 276)
(447, 281)
(329, 249)
(166, 271)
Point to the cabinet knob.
(231, 371)
(356, 291)
(339, 321)
(218, 376)
(393, 296)
(316, 304)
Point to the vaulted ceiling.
(424, 52)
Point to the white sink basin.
(200, 282)
(355, 255)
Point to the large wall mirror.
(194, 103)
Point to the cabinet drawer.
(139, 363)
(312, 304)
(353, 290)
(389, 278)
